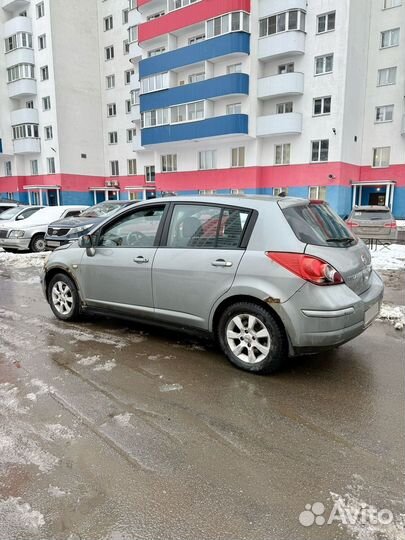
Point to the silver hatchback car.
(268, 277)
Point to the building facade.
(201, 96)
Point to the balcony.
(24, 116)
(19, 56)
(220, 126)
(27, 146)
(290, 43)
(22, 88)
(226, 85)
(14, 5)
(279, 124)
(135, 51)
(234, 43)
(150, 5)
(17, 24)
(286, 84)
(267, 8)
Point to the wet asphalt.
(111, 430)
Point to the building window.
(322, 105)
(285, 108)
(178, 4)
(187, 113)
(21, 40)
(29, 104)
(282, 154)
(134, 97)
(286, 68)
(7, 168)
(196, 39)
(113, 137)
(114, 168)
(231, 22)
(317, 193)
(238, 157)
(234, 68)
(26, 131)
(158, 117)
(126, 46)
(128, 106)
(20, 71)
(51, 165)
(237, 192)
(387, 76)
(111, 110)
(42, 42)
(108, 23)
(381, 156)
(127, 75)
(168, 163)
(46, 103)
(277, 191)
(390, 38)
(110, 81)
(125, 16)
(320, 150)
(326, 22)
(44, 73)
(133, 34)
(131, 133)
(392, 3)
(156, 15)
(234, 108)
(34, 167)
(207, 159)
(40, 8)
(154, 83)
(156, 52)
(384, 114)
(131, 166)
(206, 192)
(48, 133)
(288, 20)
(196, 77)
(324, 64)
(109, 52)
(150, 174)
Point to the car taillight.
(392, 225)
(352, 224)
(308, 267)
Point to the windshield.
(371, 215)
(10, 213)
(318, 225)
(100, 210)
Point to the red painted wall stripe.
(192, 14)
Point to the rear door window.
(317, 224)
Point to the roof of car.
(371, 208)
(232, 200)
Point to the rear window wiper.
(344, 240)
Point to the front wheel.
(38, 244)
(252, 338)
(63, 298)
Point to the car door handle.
(221, 263)
(141, 260)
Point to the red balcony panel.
(193, 14)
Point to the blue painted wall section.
(232, 84)
(211, 127)
(235, 42)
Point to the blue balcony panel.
(233, 124)
(226, 85)
(232, 43)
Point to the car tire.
(38, 243)
(63, 298)
(251, 338)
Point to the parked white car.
(18, 213)
(26, 232)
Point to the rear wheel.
(252, 338)
(38, 243)
(63, 298)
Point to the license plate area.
(52, 243)
(371, 314)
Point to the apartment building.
(202, 96)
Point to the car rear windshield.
(101, 210)
(371, 215)
(318, 225)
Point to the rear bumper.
(20, 244)
(324, 317)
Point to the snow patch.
(393, 314)
(123, 419)
(9, 401)
(43, 388)
(16, 515)
(171, 387)
(52, 432)
(392, 258)
(109, 365)
(54, 491)
(55, 349)
(31, 397)
(89, 360)
(23, 260)
(17, 449)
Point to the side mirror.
(19, 218)
(87, 242)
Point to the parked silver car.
(373, 223)
(266, 276)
